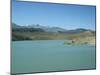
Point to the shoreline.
(81, 41)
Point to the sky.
(66, 16)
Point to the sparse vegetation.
(77, 37)
(82, 41)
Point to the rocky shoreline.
(81, 41)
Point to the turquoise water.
(50, 55)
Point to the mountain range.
(41, 28)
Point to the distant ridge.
(51, 29)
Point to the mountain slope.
(50, 29)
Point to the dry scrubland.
(82, 38)
(78, 38)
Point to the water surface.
(50, 55)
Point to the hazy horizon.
(67, 16)
(56, 26)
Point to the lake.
(50, 55)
